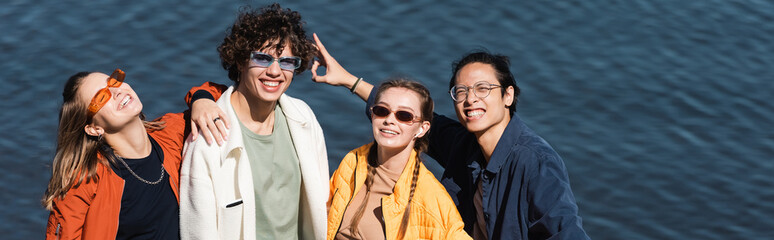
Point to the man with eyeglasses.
(507, 182)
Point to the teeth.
(270, 84)
(475, 113)
(125, 101)
(389, 132)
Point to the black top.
(147, 211)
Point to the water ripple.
(660, 110)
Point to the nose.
(116, 92)
(470, 97)
(390, 119)
(274, 69)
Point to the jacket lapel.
(234, 149)
(313, 196)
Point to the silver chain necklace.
(138, 176)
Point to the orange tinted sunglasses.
(103, 95)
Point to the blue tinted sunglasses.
(265, 60)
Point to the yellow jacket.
(433, 213)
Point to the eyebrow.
(475, 83)
(399, 107)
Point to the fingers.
(205, 130)
(315, 77)
(321, 47)
(194, 130)
(205, 124)
(222, 124)
(225, 119)
(326, 60)
(222, 130)
(335, 74)
(315, 65)
(213, 131)
(324, 57)
(211, 128)
(205, 115)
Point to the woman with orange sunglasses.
(115, 176)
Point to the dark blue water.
(660, 109)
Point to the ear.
(423, 129)
(243, 65)
(508, 96)
(93, 130)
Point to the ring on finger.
(216, 119)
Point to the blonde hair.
(77, 153)
(420, 145)
(76, 158)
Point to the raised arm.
(445, 133)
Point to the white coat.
(217, 199)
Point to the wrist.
(201, 94)
(350, 81)
(354, 85)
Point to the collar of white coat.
(293, 113)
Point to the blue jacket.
(526, 191)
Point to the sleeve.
(553, 213)
(67, 219)
(370, 102)
(198, 206)
(332, 189)
(443, 207)
(338, 181)
(445, 134)
(321, 149)
(206, 90)
(455, 227)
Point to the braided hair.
(420, 145)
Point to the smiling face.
(123, 106)
(266, 83)
(479, 115)
(392, 134)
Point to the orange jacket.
(433, 213)
(91, 210)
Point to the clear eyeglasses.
(459, 92)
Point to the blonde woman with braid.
(382, 190)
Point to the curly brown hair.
(268, 28)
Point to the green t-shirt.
(276, 179)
